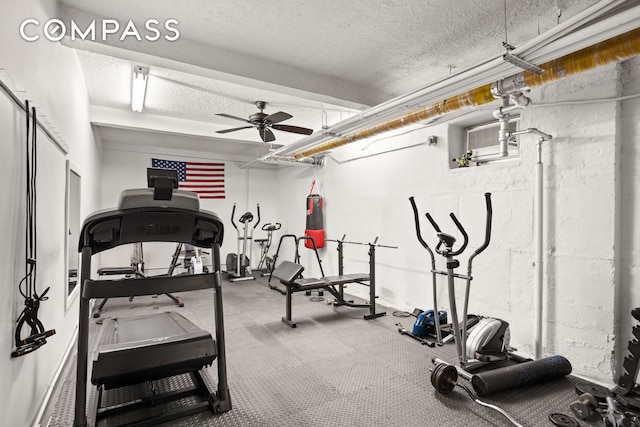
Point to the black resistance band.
(27, 286)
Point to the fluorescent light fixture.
(139, 87)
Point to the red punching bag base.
(318, 238)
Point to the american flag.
(206, 179)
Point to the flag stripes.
(204, 178)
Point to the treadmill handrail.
(146, 286)
(104, 229)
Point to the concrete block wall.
(580, 215)
(368, 197)
(628, 236)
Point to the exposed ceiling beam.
(119, 118)
(206, 60)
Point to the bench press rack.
(296, 259)
(289, 275)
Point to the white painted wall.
(591, 207)
(126, 167)
(369, 197)
(52, 78)
(628, 244)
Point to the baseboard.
(45, 401)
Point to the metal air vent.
(483, 139)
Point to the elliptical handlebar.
(464, 235)
(246, 217)
(433, 223)
(416, 219)
(448, 238)
(487, 233)
(258, 212)
(271, 227)
(233, 212)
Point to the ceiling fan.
(263, 122)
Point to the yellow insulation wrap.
(478, 96)
(614, 49)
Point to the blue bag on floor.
(425, 323)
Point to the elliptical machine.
(238, 264)
(265, 266)
(484, 356)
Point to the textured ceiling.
(319, 61)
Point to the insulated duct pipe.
(613, 17)
(503, 116)
(539, 249)
(614, 49)
(314, 161)
(538, 221)
(503, 132)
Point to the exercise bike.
(238, 264)
(484, 356)
(265, 266)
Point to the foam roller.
(520, 375)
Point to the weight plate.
(597, 391)
(444, 378)
(563, 420)
(316, 299)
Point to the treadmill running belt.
(151, 347)
(152, 326)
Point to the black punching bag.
(315, 220)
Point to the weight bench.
(289, 274)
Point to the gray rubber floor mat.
(334, 369)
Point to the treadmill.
(149, 354)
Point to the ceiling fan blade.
(266, 135)
(294, 129)
(233, 129)
(232, 117)
(278, 117)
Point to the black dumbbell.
(584, 406)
